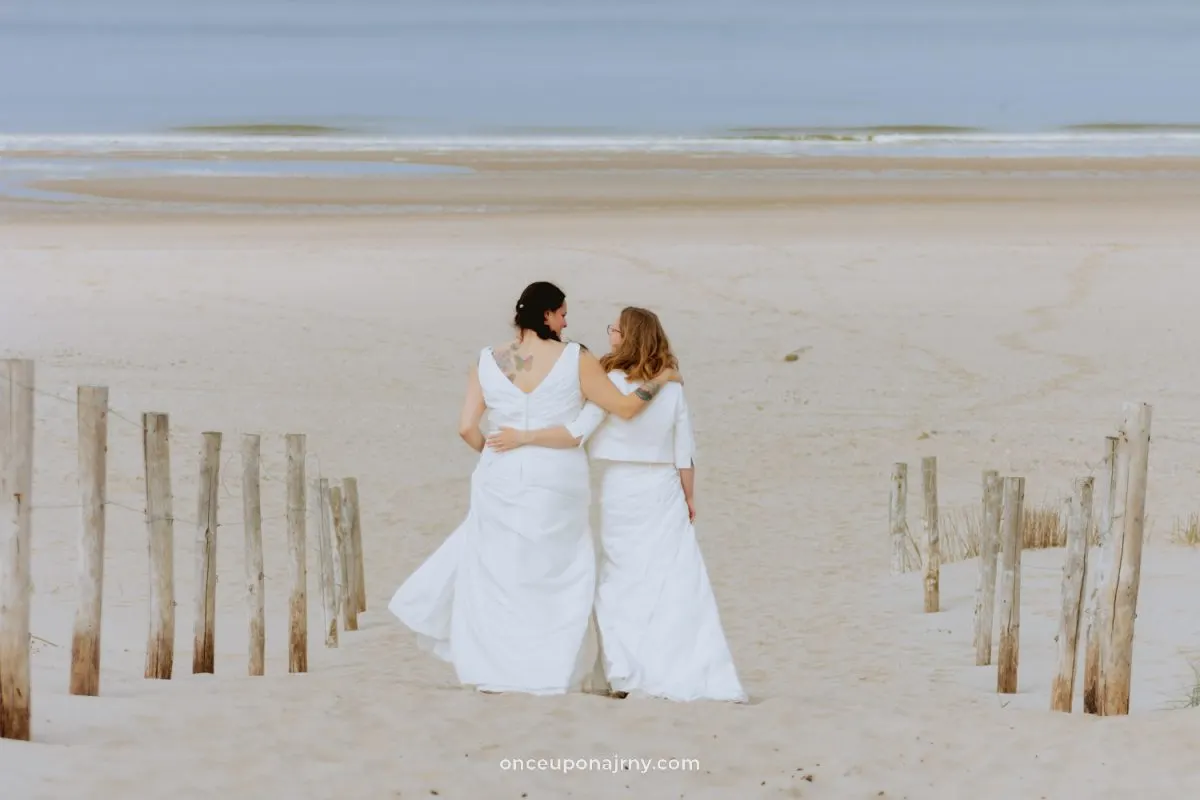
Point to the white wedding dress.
(508, 596)
(660, 627)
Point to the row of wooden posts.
(1116, 574)
(339, 538)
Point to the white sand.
(1011, 332)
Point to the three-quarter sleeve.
(685, 442)
(584, 425)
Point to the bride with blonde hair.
(659, 625)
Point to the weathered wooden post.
(1126, 564)
(344, 547)
(350, 499)
(1114, 474)
(252, 520)
(333, 507)
(297, 566)
(898, 517)
(1079, 526)
(160, 523)
(933, 558)
(1011, 515)
(205, 621)
(92, 421)
(325, 551)
(989, 548)
(16, 486)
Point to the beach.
(995, 314)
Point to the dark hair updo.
(539, 299)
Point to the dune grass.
(1044, 526)
(1190, 696)
(960, 532)
(1186, 530)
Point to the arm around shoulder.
(600, 390)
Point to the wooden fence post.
(325, 550)
(1079, 526)
(8, 532)
(333, 507)
(1103, 593)
(989, 548)
(898, 517)
(1126, 567)
(348, 597)
(1011, 515)
(350, 499)
(92, 420)
(16, 485)
(160, 523)
(252, 520)
(297, 565)
(205, 621)
(933, 558)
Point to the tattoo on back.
(509, 362)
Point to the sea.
(840, 77)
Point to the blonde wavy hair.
(645, 350)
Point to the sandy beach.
(995, 317)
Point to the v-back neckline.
(542, 382)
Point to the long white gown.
(507, 597)
(660, 627)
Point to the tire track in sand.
(1080, 284)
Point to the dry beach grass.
(961, 533)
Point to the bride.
(660, 628)
(508, 596)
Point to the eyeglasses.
(612, 329)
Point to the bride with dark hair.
(508, 596)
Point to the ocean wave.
(933, 141)
(81, 166)
(264, 129)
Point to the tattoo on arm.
(648, 390)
